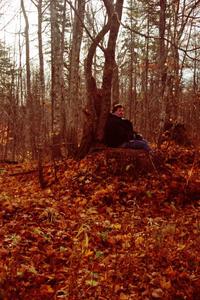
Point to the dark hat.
(116, 106)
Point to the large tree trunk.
(115, 14)
(41, 91)
(57, 79)
(95, 121)
(74, 81)
(161, 66)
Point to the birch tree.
(56, 80)
(74, 104)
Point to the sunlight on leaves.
(181, 247)
(13, 239)
(139, 241)
(88, 253)
(92, 282)
(116, 226)
(99, 254)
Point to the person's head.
(118, 110)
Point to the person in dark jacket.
(119, 132)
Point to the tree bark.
(161, 66)
(41, 91)
(30, 114)
(74, 79)
(114, 13)
(94, 125)
(56, 85)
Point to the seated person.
(119, 131)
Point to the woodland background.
(92, 54)
(117, 224)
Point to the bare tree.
(95, 120)
(41, 7)
(74, 104)
(29, 104)
(161, 63)
(181, 16)
(56, 80)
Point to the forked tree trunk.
(95, 122)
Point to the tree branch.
(167, 40)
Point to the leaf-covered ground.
(98, 231)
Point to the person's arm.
(137, 136)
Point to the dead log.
(176, 132)
(131, 162)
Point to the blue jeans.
(137, 144)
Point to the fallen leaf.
(157, 293)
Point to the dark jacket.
(117, 131)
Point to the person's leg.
(137, 144)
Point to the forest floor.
(98, 232)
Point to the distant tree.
(9, 112)
(41, 6)
(182, 20)
(130, 41)
(138, 58)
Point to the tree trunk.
(161, 66)
(94, 125)
(41, 91)
(29, 105)
(74, 79)
(40, 50)
(56, 85)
